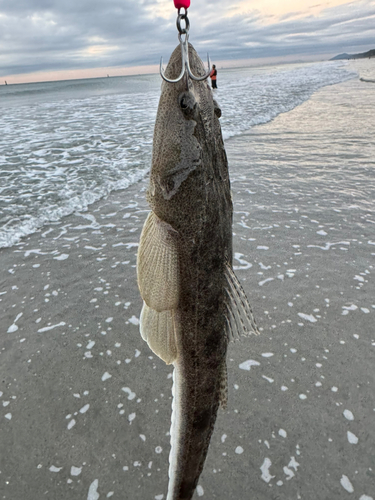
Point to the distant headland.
(363, 55)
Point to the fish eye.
(183, 103)
(188, 104)
(217, 109)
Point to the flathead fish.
(193, 303)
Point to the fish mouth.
(173, 68)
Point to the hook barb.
(185, 64)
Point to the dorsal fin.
(240, 318)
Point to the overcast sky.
(57, 39)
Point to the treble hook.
(185, 54)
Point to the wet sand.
(85, 406)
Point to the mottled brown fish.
(193, 302)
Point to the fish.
(193, 303)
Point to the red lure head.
(182, 4)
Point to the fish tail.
(192, 424)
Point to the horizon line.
(118, 71)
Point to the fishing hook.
(185, 54)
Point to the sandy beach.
(85, 405)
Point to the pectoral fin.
(158, 329)
(158, 281)
(240, 318)
(157, 264)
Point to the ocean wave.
(260, 98)
(64, 152)
(17, 228)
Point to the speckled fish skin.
(189, 234)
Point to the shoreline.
(61, 185)
(88, 404)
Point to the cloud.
(47, 35)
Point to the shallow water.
(305, 232)
(87, 399)
(65, 145)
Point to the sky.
(43, 40)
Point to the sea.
(80, 388)
(65, 145)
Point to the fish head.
(186, 134)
